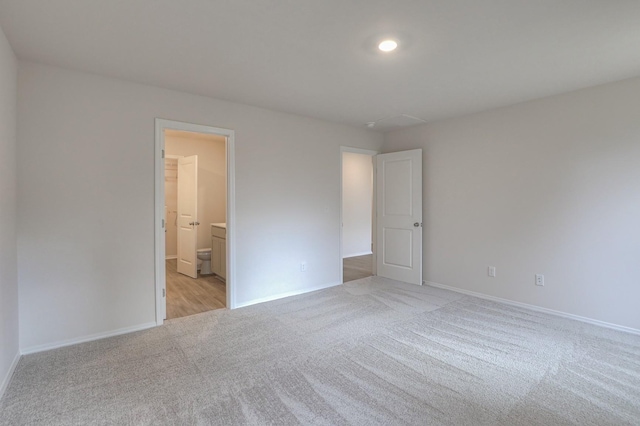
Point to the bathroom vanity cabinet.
(219, 249)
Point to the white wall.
(550, 187)
(212, 176)
(86, 234)
(8, 248)
(357, 203)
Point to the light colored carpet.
(368, 352)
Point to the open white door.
(399, 216)
(187, 215)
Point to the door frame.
(373, 154)
(159, 241)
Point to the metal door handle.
(194, 223)
(417, 224)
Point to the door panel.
(399, 220)
(187, 215)
(397, 188)
(398, 244)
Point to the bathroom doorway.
(195, 198)
(194, 261)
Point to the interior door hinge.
(163, 153)
(164, 293)
(163, 223)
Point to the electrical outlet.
(539, 279)
(492, 271)
(303, 267)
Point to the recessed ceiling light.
(387, 45)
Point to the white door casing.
(399, 215)
(161, 125)
(187, 215)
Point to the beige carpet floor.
(369, 352)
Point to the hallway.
(354, 268)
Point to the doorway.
(396, 212)
(357, 198)
(195, 198)
(194, 259)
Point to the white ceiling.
(318, 58)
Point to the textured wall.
(86, 191)
(545, 187)
(8, 248)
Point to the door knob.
(416, 224)
(194, 223)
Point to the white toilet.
(205, 256)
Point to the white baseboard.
(536, 308)
(171, 257)
(89, 338)
(283, 295)
(364, 253)
(7, 378)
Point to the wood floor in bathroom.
(189, 296)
